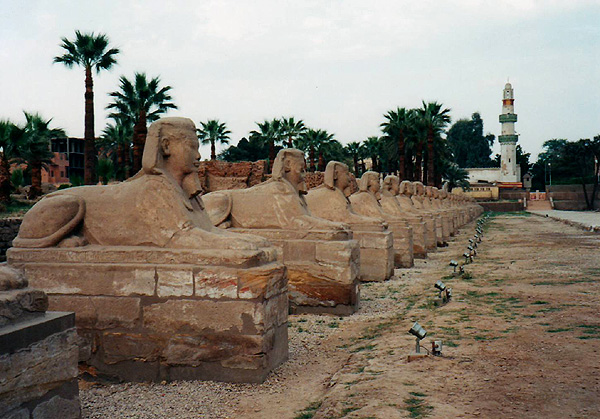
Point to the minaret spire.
(509, 171)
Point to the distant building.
(508, 175)
(68, 161)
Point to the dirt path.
(521, 339)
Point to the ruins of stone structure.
(321, 258)
(330, 201)
(390, 205)
(366, 202)
(218, 175)
(38, 353)
(159, 292)
(403, 198)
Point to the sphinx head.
(369, 182)
(337, 176)
(435, 192)
(391, 185)
(406, 188)
(172, 148)
(419, 189)
(291, 166)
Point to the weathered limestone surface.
(216, 175)
(321, 257)
(159, 293)
(408, 207)
(38, 353)
(366, 202)
(390, 205)
(330, 201)
(418, 199)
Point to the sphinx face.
(394, 188)
(295, 172)
(183, 154)
(342, 181)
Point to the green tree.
(106, 170)
(34, 149)
(355, 150)
(10, 138)
(247, 150)
(434, 120)
(213, 132)
(270, 133)
(372, 146)
(291, 129)
(396, 128)
(470, 147)
(140, 102)
(91, 52)
(115, 143)
(311, 141)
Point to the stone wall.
(571, 197)
(9, 228)
(217, 175)
(502, 206)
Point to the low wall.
(502, 206)
(571, 197)
(9, 228)
(217, 175)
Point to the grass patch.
(450, 344)
(559, 330)
(540, 302)
(550, 310)
(347, 410)
(416, 406)
(568, 282)
(15, 209)
(466, 275)
(309, 412)
(368, 347)
(334, 325)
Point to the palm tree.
(355, 149)
(89, 51)
(311, 141)
(10, 137)
(35, 148)
(434, 120)
(140, 103)
(213, 132)
(396, 128)
(324, 148)
(292, 129)
(271, 133)
(115, 143)
(372, 147)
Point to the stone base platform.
(148, 314)
(323, 268)
(376, 254)
(38, 367)
(403, 244)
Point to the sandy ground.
(586, 219)
(521, 340)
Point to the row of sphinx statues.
(257, 248)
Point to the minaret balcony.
(508, 138)
(508, 117)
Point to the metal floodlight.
(436, 348)
(420, 333)
(448, 293)
(471, 241)
(472, 250)
(440, 285)
(454, 264)
(467, 257)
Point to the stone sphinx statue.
(159, 292)
(160, 206)
(403, 198)
(423, 204)
(321, 258)
(432, 201)
(390, 205)
(366, 202)
(330, 201)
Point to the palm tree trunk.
(271, 154)
(139, 139)
(430, 159)
(355, 165)
(321, 162)
(418, 162)
(290, 142)
(213, 151)
(401, 159)
(90, 156)
(127, 160)
(120, 162)
(4, 179)
(311, 157)
(36, 180)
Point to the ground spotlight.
(436, 348)
(420, 333)
(468, 258)
(472, 250)
(445, 292)
(477, 238)
(473, 243)
(454, 264)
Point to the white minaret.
(509, 171)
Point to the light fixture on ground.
(468, 258)
(454, 264)
(445, 292)
(472, 250)
(420, 333)
(436, 348)
(477, 238)
(473, 243)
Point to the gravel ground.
(197, 399)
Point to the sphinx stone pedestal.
(38, 355)
(376, 254)
(322, 267)
(152, 314)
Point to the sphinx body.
(406, 204)
(159, 292)
(321, 257)
(366, 202)
(424, 205)
(330, 201)
(390, 205)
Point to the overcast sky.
(338, 65)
